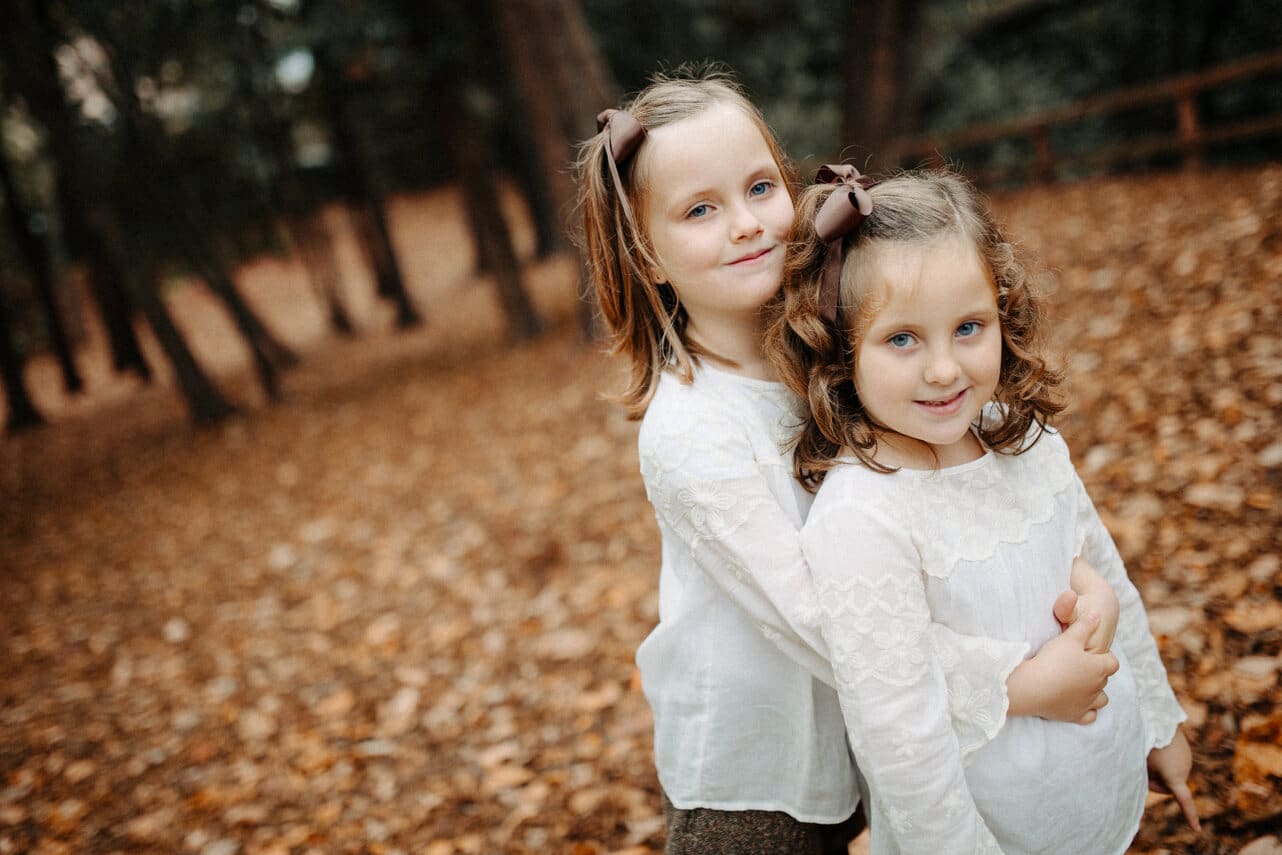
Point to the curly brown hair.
(815, 358)
(646, 321)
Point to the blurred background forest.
(387, 599)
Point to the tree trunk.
(30, 41)
(465, 140)
(22, 413)
(539, 55)
(204, 402)
(881, 46)
(365, 195)
(36, 254)
(549, 237)
(156, 181)
(301, 216)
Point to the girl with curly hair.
(917, 339)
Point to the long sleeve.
(891, 683)
(706, 482)
(703, 478)
(1159, 708)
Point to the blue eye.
(968, 329)
(761, 188)
(697, 211)
(902, 339)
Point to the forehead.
(907, 277)
(717, 143)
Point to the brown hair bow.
(623, 135)
(839, 215)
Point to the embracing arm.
(708, 491)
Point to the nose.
(942, 369)
(744, 223)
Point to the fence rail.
(1190, 138)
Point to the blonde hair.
(815, 358)
(645, 319)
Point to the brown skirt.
(703, 831)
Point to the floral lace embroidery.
(1020, 492)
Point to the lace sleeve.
(891, 682)
(708, 491)
(1159, 708)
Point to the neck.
(905, 452)
(736, 340)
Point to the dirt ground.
(396, 613)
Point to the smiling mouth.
(753, 256)
(943, 405)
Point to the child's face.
(930, 357)
(718, 213)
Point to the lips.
(945, 406)
(753, 256)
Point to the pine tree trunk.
(301, 217)
(469, 157)
(28, 39)
(881, 49)
(535, 60)
(365, 196)
(36, 254)
(22, 413)
(204, 402)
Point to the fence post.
(1189, 128)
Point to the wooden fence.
(1189, 139)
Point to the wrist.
(1022, 697)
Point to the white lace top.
(737, 672)
(980, 548)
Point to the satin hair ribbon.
(839, 215)
(623, 135)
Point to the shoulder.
(856, 496)
(717, 407)
(686, 410)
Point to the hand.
(1094, 594)
(1168, 772)
(1063, 682)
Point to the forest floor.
(397, 612)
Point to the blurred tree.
(302, 215)
(563, 85)
(35, 252)
(22, 413)
(880, 57)
(153, 177)
(364, 190)
(29, 42)
(457, 104)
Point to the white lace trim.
(1020, 492)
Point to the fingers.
(1088, 717)
(1100, 701)
(1096, 643)
(1064, 606)
(1185, 799)
(1110, 663)
(1080, 630)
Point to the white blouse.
(981, 548)
(737, 670)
